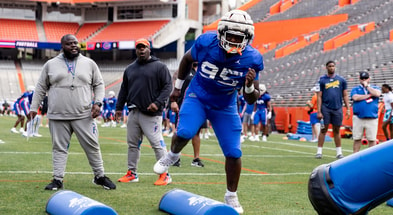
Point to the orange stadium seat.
(124, 31)
(88, 29)
(55, 30)
(12, 29)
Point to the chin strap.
(238, 50)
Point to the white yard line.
(174, 174)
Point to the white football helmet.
(111, 94)
(238, 24)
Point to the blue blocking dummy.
(180, 202)
(355, 184)
(67, 202)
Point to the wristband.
(179, 83)
(249, 90)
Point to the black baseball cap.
(364, 75)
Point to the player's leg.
(357, 133)
(87, 133)
(336, 120)
(134, 141)
(191, 116)
(371, 127)
(227, 126)
(86, 130)
(385, 123)
(196, 144)
(324, 129)
(391, 127)
(61, 132)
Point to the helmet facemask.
(233, 41)
(235, 31)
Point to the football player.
(226, 64)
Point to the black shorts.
(330, 116)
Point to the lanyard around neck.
(71, 65)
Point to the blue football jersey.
(262, 101)
(111, 103)
(217, 74)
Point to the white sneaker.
(234, 203)
(170, 134)
(257, 138)
(163, 164)
(37, 135)
(123, 126)
(21, 130)
(113, 124)
(264, 138)
(24, 133)
(252, 138)
(206, 136)
(2, 141)
(242, 139)
(13, 130)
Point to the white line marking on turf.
(152, 154)
(148, 174)
(306, 146)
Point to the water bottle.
(322, 124)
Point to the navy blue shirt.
(332, 91)
(367, 108)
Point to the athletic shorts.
(172, 116)
(247, 118)
(260, 116)
(226, 124)
(330, 116)
(313, 118)
(386, 116)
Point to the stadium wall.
(287, 117)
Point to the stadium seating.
(9, 88)
(12, 29)
(55, 30)
(88, 29)
(126, 31)
(291, 76)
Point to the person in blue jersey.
(333, 90)
(365, 111)
(125, 116)
(226, 63)
(104, 112)
(262, 114)
(20, 114)
(110, 115)
(22, 108)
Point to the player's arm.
(269, 110)
(251, 87)
(319, 105)
(346, 102)
(182, 73)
